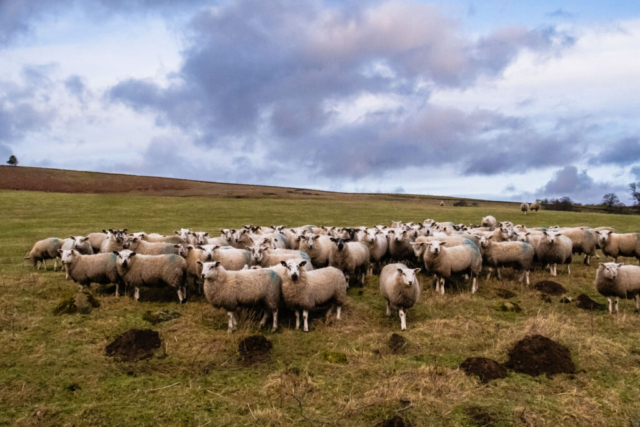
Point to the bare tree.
(610, 200)
(13, 161)
(634, 189)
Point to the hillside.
(68, 181)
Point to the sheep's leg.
(553, 269)
(637, 302)
(610, 309)
(403, 319)
(55, 264)
(499, 273)
(305, 316)
(526, 275)
(117, 290)
(264, 319)
(587, 259)
(44, 262)
(569, 269)
(616, 305)
(474, 286)
(328, 314)
(489, 274)
(230, 323)
(274, 313)
(388, 309)
(137, 294)
(180, 295)
(338, 312)
(66, 272)
(346, 276)
(442, 286)
(297, 319)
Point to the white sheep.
(524, 207)
(318, 247)
(267, 257)
(80, 244)
(43, 250)
(153, 270)
(507, 254)
(489, 221)
(308, 290)
(352, 258)
(229, 257)
(619, 281)
(535, 206)
(444, 261)
(143, 247)
(245, 288)
(400, 287)
(584, 242)
(554, 249)
(86, 269)
(378, 244)
(615, 245)
(192, 255)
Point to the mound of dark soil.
(255, 348)
(550, 287)
(398, 344)
(162, 316)
(505, 293)
(395, 421)
(586, 303)
(480, 416)
(536, 355)
(134, 344)
(486, 369)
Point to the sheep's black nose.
(294, 276)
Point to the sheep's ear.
(199, 263)
(490, 237)
(284, 264)
(199, 247)
(216, 264)
(60, 251)
(334, 240)
(111, 230)
(216, 247)
(601, 264)
(621, 264)
(302, 264)
(105, 231)
(233, 230)
(400, 271)
(133, 254)
(545, 233)
(116, 253)
(135, 239)
(72, 238)
(316, 237)
(417, 270)
(124, 230)
(177, 246)
(176, 232)
(527, 233)
(85, 239)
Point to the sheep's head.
(310, 240)
(506, 232)
(551, 236)
(183, 233)
(294, 268)
(485, 241)
(609, 269)
(67, 255)
(435, 246)
(210, 270)
(183, 250)
(201, 237)
(131, 243)
(521, 236)
(124, 258)
(257, 252)
(418, 248)
(602, 236)
(78, 241)
(409, 276)
(208, 251)
(340, 243)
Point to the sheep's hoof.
(229, 331)
(274, 330)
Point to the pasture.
(54, 371)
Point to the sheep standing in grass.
(619, 281)
(308, 290)
(352, 258)
(44, 250)
(584, 242)
(524, 207)
(400, 287)
(230, 258)
(79, 243)
(159, 238)
(143, 247)
(113, 242)
(507, 254)
(249, 288)
(554, 249)
(192, 255)
(87, 269)
(153, 271)
(535, 206)
(378, 244)
(318, 247)
(615, 245)
(443, 262)
(264, 256)
(96, 239)
(400, 248)
(489, 222)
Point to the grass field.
(53, 369)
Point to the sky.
(495, 99)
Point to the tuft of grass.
(53, 369)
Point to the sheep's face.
(551, 236)
(183, 233)
(484, 242)
(435, 246)
(141, 235)
(506, 232)
(210, 270)
(340, 243)
(257, 252)
(125, 258)
(409, 277)
(294, 267)
(183, 250)
(418, 248)
(78, 241)
(131, 243)
(208, 251)
(521, 236)
(67, 256)
(201, 237)
(602, 236)
(310, 240)
(610, 269)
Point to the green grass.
(198, 379)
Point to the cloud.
(623, 152)
(577, 185)
(635, 171)
(76, 86)
(277, 73)
(560, 13)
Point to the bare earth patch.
(135, 344)
(536, 355)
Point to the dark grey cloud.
(623, 152)
(271, 72)
(635, 171)
(577, 185)
(76, 86)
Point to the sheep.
(400, 244)
(230, 258)
(350, 257)
(584, 242)
(378, 244)
(152, 270)
(619, 281)
(524, 207)
(80, 244)
(615, 245)
(245, 288)
(535, 206)
(489, 221)
(443, 262)
(185, 234)
(96, 239)
(113, 242)
(318, 247)
(192, 255)
(400, 287)
(199, 237)
(43, 250)
(159, 238)
(143, 247)
(87, 269)
(441, 202)
(507, 254)
(420, 245)
(267, 257)
(554, 249)
(307, 290)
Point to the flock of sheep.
(309, 268)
